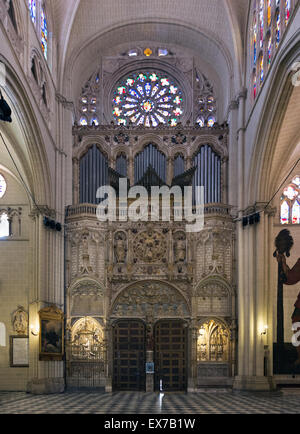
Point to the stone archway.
(156, 304)
(150, 300)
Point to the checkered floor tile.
(150, 403)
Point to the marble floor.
(151, 403)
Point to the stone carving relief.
(150, 299)
(86, 298)
(87, 340)
(20, 321)
(213, 298)
(87, 254)
(213, 342)
(150, 246)
(214, 253)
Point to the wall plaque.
(19, 351)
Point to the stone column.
(108, 334)
(150, 355)
(192, 362)
(255, 312)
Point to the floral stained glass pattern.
(148, 98)
(32, 10)
(290, 203)
(44, 33)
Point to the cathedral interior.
(165, 94)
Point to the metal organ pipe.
(208, 174)
(150, 156)
(93, 174)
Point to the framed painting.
(51, 334)
(19, 351)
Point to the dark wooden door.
(129, 355)
(170, 355)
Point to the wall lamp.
(34, 330)
(265, 330)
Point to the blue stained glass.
(32, 10)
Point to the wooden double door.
(170, 356)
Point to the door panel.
(170, 355)
(129, 356)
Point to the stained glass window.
(44, 33)
(261, 68)
(296, 213)
(83, 121)
(2, 186)
(148, 98)
(290, 206)
(269, 12)
(32, 10)
(285, 212)
(254, 38)
(287, 11)
(254, 85)
(261, 23)
(278, 35)
(269, 54)
(270, 18)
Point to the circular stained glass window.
(2, 186)
(148, 98)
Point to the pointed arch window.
(287, 11)
(32, 10)
(38, 15)
(270, 20)
(277, 27)
(44, 33)
(290, 203)
(261, 23)
(4, 225)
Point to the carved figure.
(20, 321)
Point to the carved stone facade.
(153, 271)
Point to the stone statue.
(180, 249)
(120, 248)
(20, 321)
(86, 266)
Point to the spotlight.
(46, 221)
(245, 221)
(257, 217)
(5, 110)
(52, 224)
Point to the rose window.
(148, 98)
